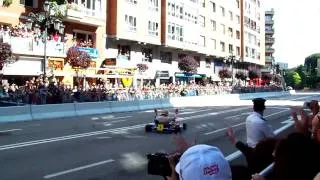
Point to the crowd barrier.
(39, 112)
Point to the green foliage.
(311, 63)
(7, 3)
(59, 2)
(253, 74)
(296, 79)
(310, 66)
(6, 55)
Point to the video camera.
(158, 164)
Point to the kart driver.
(164, 117)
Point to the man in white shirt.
(256, 126)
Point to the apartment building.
(84, 23)
(269, 41)
(168, 30)
(253, 33)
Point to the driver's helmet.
(164, 113)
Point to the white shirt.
(257, 129)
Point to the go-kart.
(170, 127)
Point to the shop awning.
(189, 75)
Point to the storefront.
(187, 77)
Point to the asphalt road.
(114, 146)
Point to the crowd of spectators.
(295, 156)
(39, 91)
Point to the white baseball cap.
(203, 162)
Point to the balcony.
(82, 15)
(269, 31)
(28, 46)
(269, 50)
(269, 59)
(269, 40)
(270, 12)
(269, 22)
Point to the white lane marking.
(236, 125)
(114, 117)
(107, 117)
(305, 97)
(121, 130)
(237, 154)
(278, 108)
(232, 117)
(287, 121)
(133, 161)
(107, 124)
(62, 138)
(104, 137)
(117, 121)
(77, 169)
(195, 111)
(10, 130)
(94, 118)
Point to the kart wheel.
(177, 130)
(148, 128)
(184, 126)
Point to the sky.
(297, 29)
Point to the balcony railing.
(269, 59)
(269, 40)
(269, 31)
(29, 46)
(77, 11)
(269, 50)
(269, 21)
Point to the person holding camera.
(200, 162)
(256, 126)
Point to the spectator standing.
(256, 126)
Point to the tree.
(225, 73)
(6, 55)
(253, 74)
(78, 59)
(241, 75)
(296, 79)
(142, 68)
(311, 63)
(188, 64)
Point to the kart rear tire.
(184, 126)
(148, 128)
(177, 130)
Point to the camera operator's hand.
(231, 136)
(182, 144)
(173, 164)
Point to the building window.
(223, 28)
(238, 19)
(202, 41)
(230, 49)
(84, 39)
(223, 11)
(27, 2)
(222, 46)
(175, 10)
(154, 5)
(208, 63)
(203, 3)
(91, 7)
(238, 4)
(166, 57)
(147, 53)
(213, 5)
(202, 21)
(175, 32)
(238, 34)
(258, 3)
(238, 51)
(213, 43)
(230, 32)
(231, 15)
(213, 25)
(253, 53)
(132, 1)
(247, 51)
(153, 28)
(131, 22)
(124, 52)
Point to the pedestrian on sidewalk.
(256, 126)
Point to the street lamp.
(232, 59)
(47, 20)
